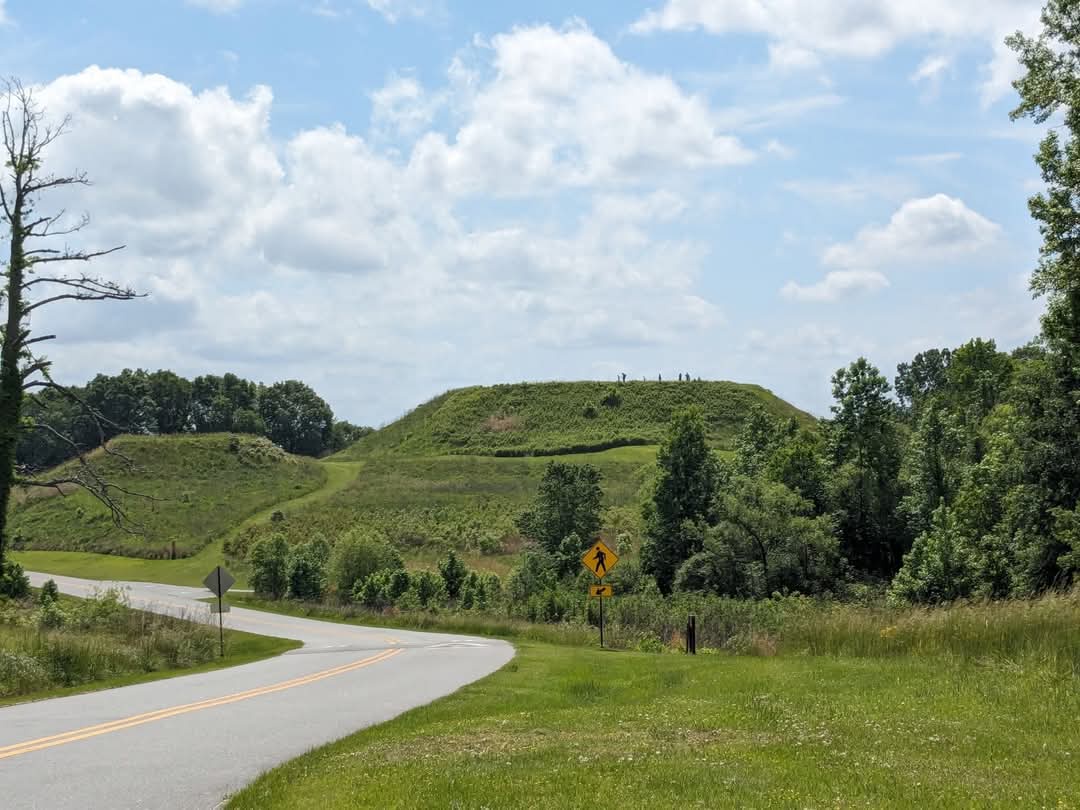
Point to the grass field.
(564, 728)
(104, 644)
(201, 490)
(564, 417)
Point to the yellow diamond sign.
(599, 559)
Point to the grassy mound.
(564, 417)
(200, 488)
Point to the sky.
(390, 198)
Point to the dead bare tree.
(35, 277)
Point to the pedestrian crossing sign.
(599, 559)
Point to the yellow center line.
(161, 714)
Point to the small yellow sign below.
(599, 559)
(602, 591)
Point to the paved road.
(187, 742)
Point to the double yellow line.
(161, 714)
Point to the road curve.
(188, 742)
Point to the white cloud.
(561, 110)
(836, 284)
(931, 73)
(859, 29)
(927, 230)
(924, 231)
(856, 189)
(402, 105)
(325, 259)
(780, 150)
(395, 10)
(217, 6)
(929, 159)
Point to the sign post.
(600, 559)
(219, 581)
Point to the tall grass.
(81, 641)
(1043, 633)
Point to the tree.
(296, 418)
(923, 376)
(1051, 84)
(171, 394)
(34, 278)
(453, 572)
(124, 401)
(939, 567)
(866, 456)
(344, 433)
(771, 527)
(686, 481)
(567, 503)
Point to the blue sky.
(387, 198)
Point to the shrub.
(49, 591)
(50, 616)
(612, 399)
(270, 567)
(373, 592)
(307, 572)
(21, 673)
(13, 580)
(357, 556)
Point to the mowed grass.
(565, 417)
(427, 505)
(188, 570)
(561, 727)
(199, 488)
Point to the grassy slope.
(428, 504)
(189, 570)
(204, 490)
(561, 727)
(544, 418)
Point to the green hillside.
(564, 417)
(202, 487)
(426, 505)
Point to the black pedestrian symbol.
(601, 561)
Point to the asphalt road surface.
(187, 742)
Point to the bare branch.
(76, 257)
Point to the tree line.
(289, 413)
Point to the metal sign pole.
(220, 615)
(601, 623)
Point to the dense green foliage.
(140, 402)
(565, 417)
(192, 491)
